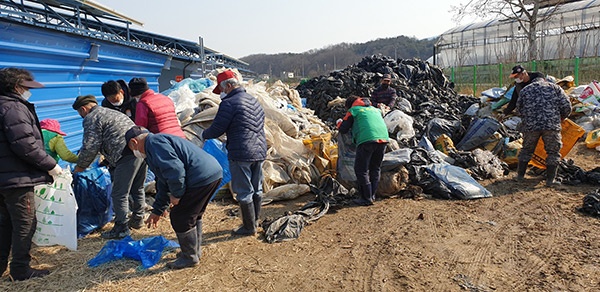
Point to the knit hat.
(83, 100)
(52, 125)
(227, 74)
(137, 86)
(134, 132)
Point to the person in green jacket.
(54, 142)
(370, 135)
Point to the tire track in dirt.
(500, 230)
(532, 264)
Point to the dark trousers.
(367, 165)
(191, 207)
(552, 145)
(17, 225)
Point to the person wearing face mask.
(104, 132)
(24, 164)
(116, 96)
(186, 178)
(542, 106)
(522, 78)
(241, 117)
(384, 96)
(154, 111)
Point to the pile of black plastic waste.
(418, 82)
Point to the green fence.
(475, 79)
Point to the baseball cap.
(134, 132)
(516, 70)
(227, 74)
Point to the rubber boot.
(188, 257)
(365, 195)
(521, 169)
(119, 230)
(248, 220)
(257, 199)
(373, 190)
(551, 171)
(28, 274)
(5, 243)
(199, 235)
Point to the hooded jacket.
(23, 158)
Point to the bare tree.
(524, 12)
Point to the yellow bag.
(593, 139)
(444, 144)
(570, 132)
(511, 152)
(325, 152)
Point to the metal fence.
(477, 78)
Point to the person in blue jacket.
(186, 179)
(242, 118)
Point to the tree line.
(318, 62)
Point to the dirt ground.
(526, 238)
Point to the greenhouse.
(567, 31)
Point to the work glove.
(56, 171)
(338, 123)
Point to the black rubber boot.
(199, 235)
(373, 190)
(365, 195)
(28, 274)
(257, 208)
(188, 257)
(521, 169)
(5, 243)
(551, 171)
(248, 219)
(119, 231)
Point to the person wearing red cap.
(54, 142)
(24, 164)
(242, 118)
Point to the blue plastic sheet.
(195, 85)
(92, 189)
(217, 149)
(148, 250)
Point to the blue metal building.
(73, 46)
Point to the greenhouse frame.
(569, 30)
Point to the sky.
(241, 28)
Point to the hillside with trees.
(320, 61)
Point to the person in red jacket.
(154, 111)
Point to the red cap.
(52, 125)
(227, 74)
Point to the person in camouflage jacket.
(542, 106)
(104, 132)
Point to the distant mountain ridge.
(320, 61)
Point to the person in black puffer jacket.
(24, 164)
(242, 118)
